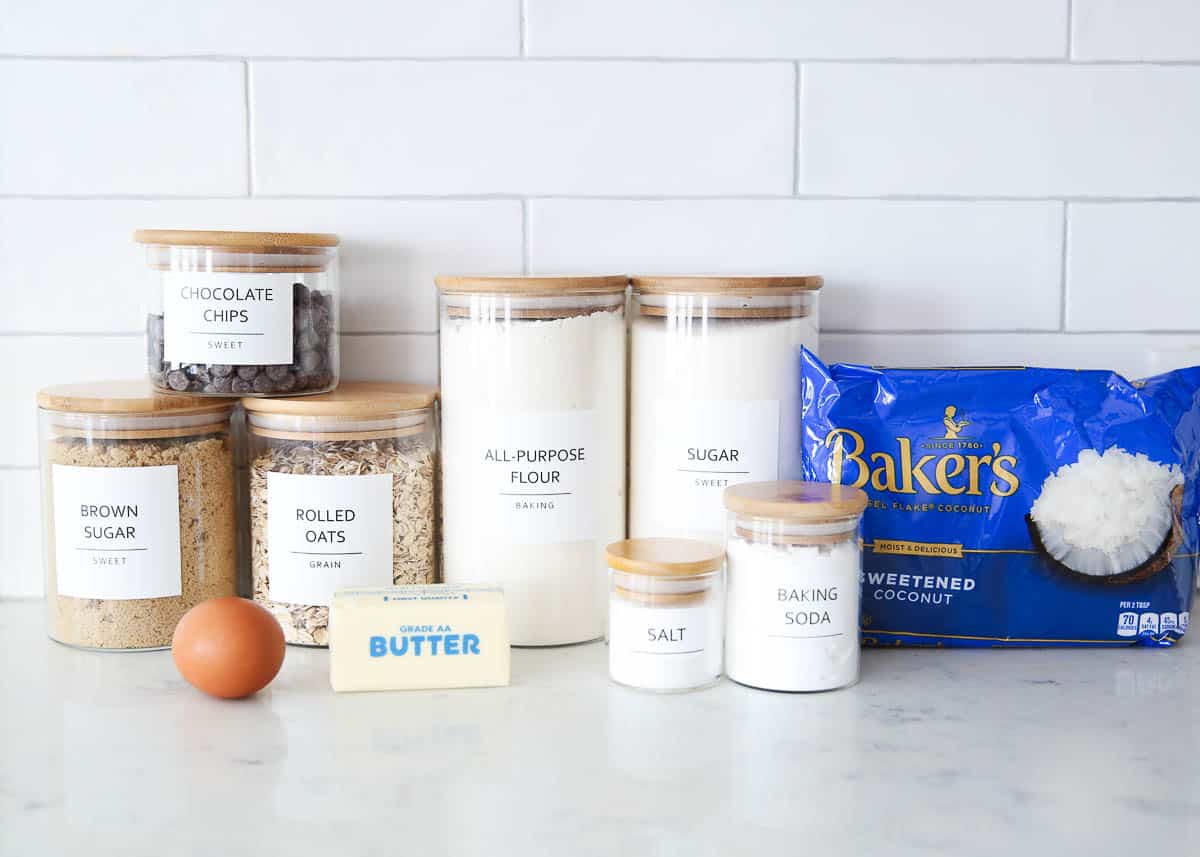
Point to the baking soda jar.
(241, 313)
(714, 375)
(793, 563)
(664, 614)
(533, 442)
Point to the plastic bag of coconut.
(1014, 506)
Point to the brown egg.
(228, 647)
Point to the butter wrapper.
(418, 638)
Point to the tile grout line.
(1070, 30)
(522, 26)
(526, 250)
(697, 60)
(1062, 267)
(249, 103)
(797, 99)
(585, 197)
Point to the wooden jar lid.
(796, 502)
(547, 286)
(127, 398)
(351, 400)
(750, 286)
(250, 242)
(660, 557)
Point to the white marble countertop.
(934, 752)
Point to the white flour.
(533, 466)
(792, 614)
(713, 403)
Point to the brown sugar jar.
(138, 511)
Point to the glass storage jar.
(793, 562)
(714, 393)
(341, 495)
(137, 511)
(241, 313)
(533, 430)
(664, 614)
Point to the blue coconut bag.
(953, 460)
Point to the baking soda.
(792, 614)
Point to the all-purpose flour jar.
(793, 562)
(241, 313)
(533, 445)
(664, 614)
(714, 378)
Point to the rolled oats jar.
(137, 510)
(793, 565)
(241, 313)
(341, 495)
(714, 375)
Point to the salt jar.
(793, 563)
(241, 313)
(664, 613)
(714, 380)
(533, 441)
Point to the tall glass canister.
(241, 313)
(533, 438)
(714, 398)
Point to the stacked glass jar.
(241, 313)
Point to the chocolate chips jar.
(241, 313)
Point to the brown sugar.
(207, 539)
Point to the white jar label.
(659, 647)
(704, 446)
(229, 318)
(116, 531)
(534, 476)
(327, 532)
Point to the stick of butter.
(418, 637)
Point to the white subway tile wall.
(980, 181)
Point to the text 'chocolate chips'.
(312, 357)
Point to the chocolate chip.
(285, 384)
(247, 373)
(178, 380)
(310, 361)
(219, 386)
(264, 384)
(275, 373)
(220, 370)
(240, 386)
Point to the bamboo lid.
(798, 502)
(725, 285)
(353, 399)
(132, 397)
(665, 557)
(517, 284)
(250, 241)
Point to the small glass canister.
(793, 561)
(664, 614)
(341, 494)
(138, 511)
(241, 313)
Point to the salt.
(664, 628)
(793, 563)
(533, 436)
